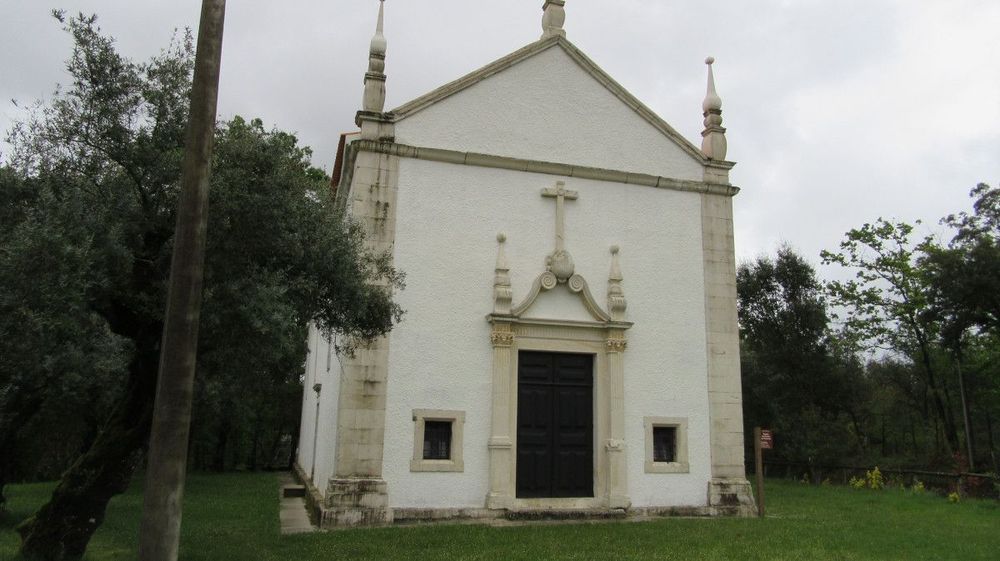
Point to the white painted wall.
(307, 424)
(548, 108)
(323, 367)
(440, 356)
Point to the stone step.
(293, 517)
(290, 491)
(566, 514)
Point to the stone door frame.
(605, 342)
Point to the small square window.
(437, 440)
(664, 444)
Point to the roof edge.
(588, 65)
(633, 102)
(473, 78)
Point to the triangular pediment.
(548, 101)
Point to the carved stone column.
(616, 344)
(615, 445)
(728, 491)
(501, 443)
(357, 495)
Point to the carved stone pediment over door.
(603, 337)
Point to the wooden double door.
(555, 425)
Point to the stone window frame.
(455, 463)
(680, 424)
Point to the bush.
(875, 480)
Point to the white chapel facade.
(570, 343)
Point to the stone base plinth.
(356, 502)
(731, 497)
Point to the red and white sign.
(766, 439)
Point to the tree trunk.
(272, 452)
(943, 411)
(883, 435)
(222, 440)
(293, 447)
(969, 435)
(160, 527)
(937, 435)
(62, 528)
(993, 450)
(15, 411)
(254, 446)
(857, 430)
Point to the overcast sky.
(838, 111)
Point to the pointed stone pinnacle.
(553, 18)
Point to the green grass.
(236, 517)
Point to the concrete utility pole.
(159, 533)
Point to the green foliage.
(787, 355)
(887, 305)
(929, 313)
(964, 278)
(885, 300)
(88, 198)
(60, 357)
(954, 497)
(874, 479)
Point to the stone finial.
(616, 296)
(502, 293)
(374, 99)
(553, 18)
(713, 143)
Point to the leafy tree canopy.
(964, 277)
(791, 380)
(88, 199)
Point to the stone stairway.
(293, 515)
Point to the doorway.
(555, 425)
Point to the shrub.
(954, 497)
(874, 479)
(857, 483)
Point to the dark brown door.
(555, 425)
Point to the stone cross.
(560, 194)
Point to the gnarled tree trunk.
(62, 528)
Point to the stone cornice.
(515, 320)
(550, 168)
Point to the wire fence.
(975, 484)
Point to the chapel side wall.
(326, 447)
(448, 217)
(307, 425)
(323, 367)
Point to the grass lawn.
(236, 517)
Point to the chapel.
(570, 344)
